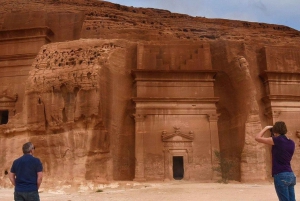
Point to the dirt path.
(173, 191)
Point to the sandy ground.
(173, 191)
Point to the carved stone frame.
(8, 103)
(177, 144)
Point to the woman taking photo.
(282, 152)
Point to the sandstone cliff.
(97, 86)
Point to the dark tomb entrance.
(178, 170)
(3, 116)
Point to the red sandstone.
(108, 92)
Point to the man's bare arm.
(39, 179)
(12, 178)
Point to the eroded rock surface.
(108, 92)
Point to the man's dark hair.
(280, 127)
(27, 147)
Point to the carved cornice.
(174, 75)
(24, 34)
(5, 98)
(280, 76)
(290, 98)
(17, 57)
(167, 137)
(158, 99)
(139, 117)
(213, 117)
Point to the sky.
(281, 12)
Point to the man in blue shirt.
(26, 175)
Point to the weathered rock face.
(71, 94)
(145, 94)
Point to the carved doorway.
(7, 107)
(3, 116)
(178, 167)
(178, 154)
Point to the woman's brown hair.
(280, 127)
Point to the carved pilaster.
(167, 162)
(213, 124)
(213, 117)
(214, 140)
(190, 155)
(139, 147)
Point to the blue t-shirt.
(26, 168)
(282, 153)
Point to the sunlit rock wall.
(77, 93)
(73, 98)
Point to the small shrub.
(224, 167)
(99, 190)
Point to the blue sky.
(282, 12)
